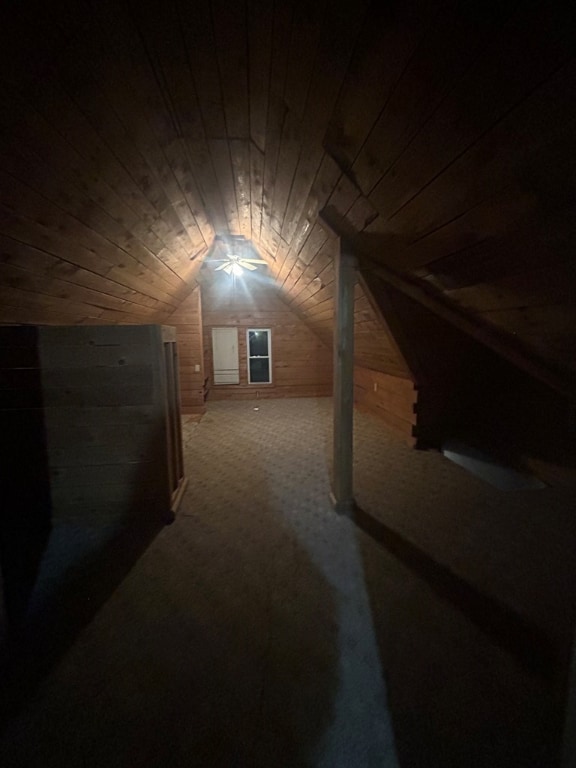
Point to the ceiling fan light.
(236, 269)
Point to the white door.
(225, 355)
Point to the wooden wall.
(383, 382)
(375, 346)
(301, 362)
(390, 399)
(460, 387)
(438, 360)
(187, 320)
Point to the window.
(259, 356)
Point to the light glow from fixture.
(237, 269)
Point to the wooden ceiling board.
(308, 20)
(509, 162)
(306, 256)
(150, 144)
(454, 39)
(282, 23)
(102, 163)
(36, 208)
(50, 158)
(434, 136)
(73, 201)
(477, 125)
(316, 274)
(259, 20)
(544, 244)
(50, 256)
(341, 26)
(14, 277)
(164, 43)
(389, 37)
(312, 297)
(256, 190)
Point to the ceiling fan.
(234, 262)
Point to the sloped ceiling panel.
(437, 136)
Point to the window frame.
(259, 357)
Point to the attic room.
(288, 402)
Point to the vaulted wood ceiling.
(435, 136)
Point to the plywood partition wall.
(25, 504)
(90, 440)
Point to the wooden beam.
(342, 486)
(475, 327)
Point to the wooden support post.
(342, 492)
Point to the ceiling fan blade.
(245, 265)
(256, 261)
(222, 266)
(227, 268)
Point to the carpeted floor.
(260, 629)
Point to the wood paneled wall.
(187, 320)
(390, 399)
(438, 362)
(383, 382)
(301, 362)
(375, 345)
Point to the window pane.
(260, 369)
(258, 342)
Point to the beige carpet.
(261, 629)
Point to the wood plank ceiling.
(437, 136)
